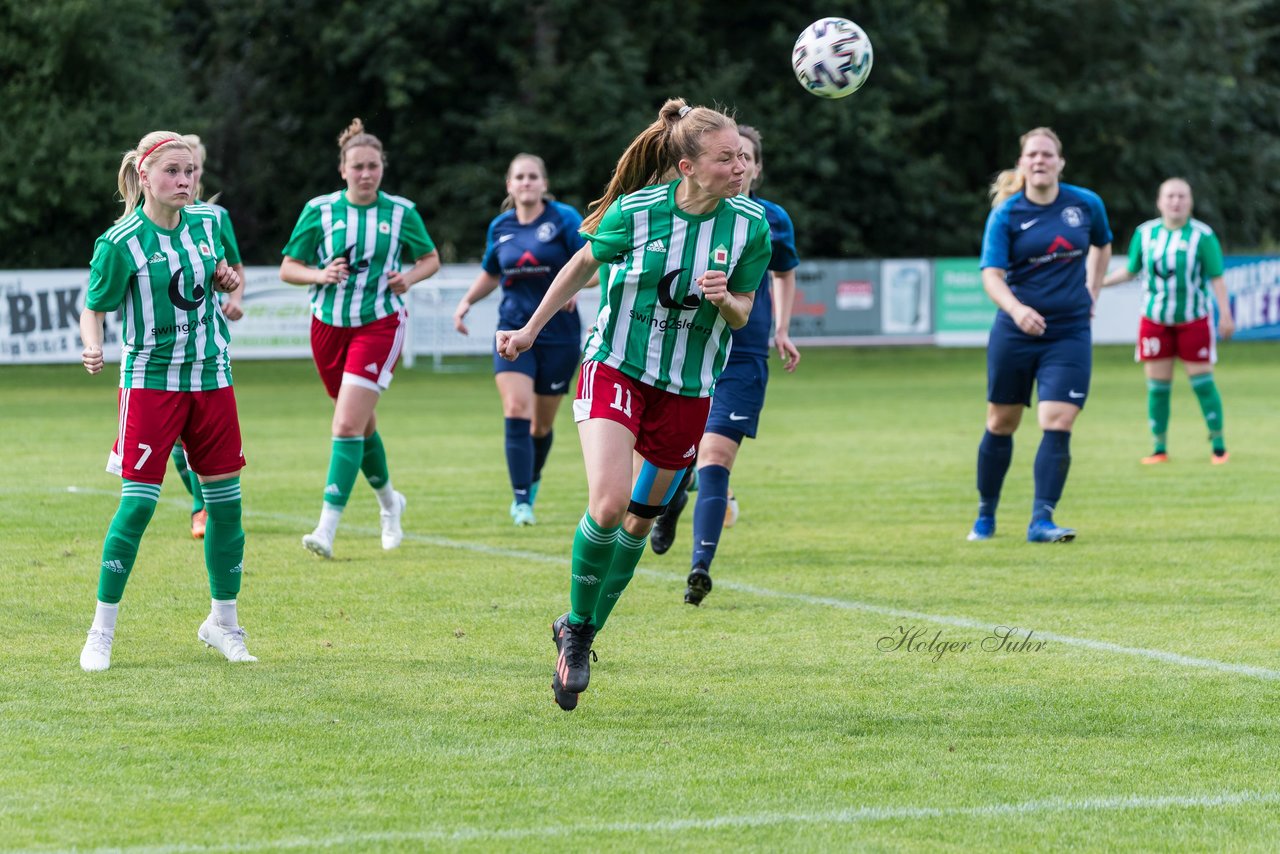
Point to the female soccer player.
(232, 307)
(160, 264)
(347, 246)
(684, 256)
(1181, 260)
(526, 246)
(739, 397)
(1036, 268)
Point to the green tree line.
(1137, 90)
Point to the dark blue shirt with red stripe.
(1043, 250)
(525, 259)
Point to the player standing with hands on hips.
(354, 238)
(684, 257)
(1045, 252)
(161, 264)
(1181, 261)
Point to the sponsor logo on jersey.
(384, 228)
(655, 246)
(527, 265)
(666, 293)
(205, 250)
(156, 258)
(720, 255)
(504, 238)
(1072, 216)
(1029, 223)
(669, 323)
(179, 299)
(546, 232)
(1059, 250)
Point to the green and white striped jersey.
(174, 336)
(654, 326)
(1178, 266)
(230, 246)
(372, 237)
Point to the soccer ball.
(832, 58)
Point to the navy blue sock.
(1053, 460)
(708, 512)
(994, 454)
(541, 448)
(519, 458)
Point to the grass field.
(402, 699)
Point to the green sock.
(120, 549)
(224, 538)
(374, 461)
(593, 548)
(344, 465)
(179, 457)
(1158, 394)
(1211, 406)
(197, 494)
(626, 555)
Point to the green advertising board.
(962, 311)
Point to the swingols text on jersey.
(1043, 250)
(654, 324)
(372, 237)
(526, 258)
(1177, 266)
(753, 339)
(174, 336)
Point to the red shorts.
(360, 355)
(151, 421)
(1190, 342)
(667, 426)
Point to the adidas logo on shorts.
(693, 449)
(655, 246)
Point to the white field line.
(831, 602)
(846, 816)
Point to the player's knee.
(134, 516)
(608, 511)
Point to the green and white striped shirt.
(654, 326)
(174, 336)
(372, 237)
(1178, 266)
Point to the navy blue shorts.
(551, 366)
(739, 397)
(1059, 367)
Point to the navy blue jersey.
(1043, 251)
(526, 258)
(753, 339)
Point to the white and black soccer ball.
(832, 58)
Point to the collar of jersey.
(675, 208)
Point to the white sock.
(329, 518)
(387, 497)
(105, 616)
(224, 612)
